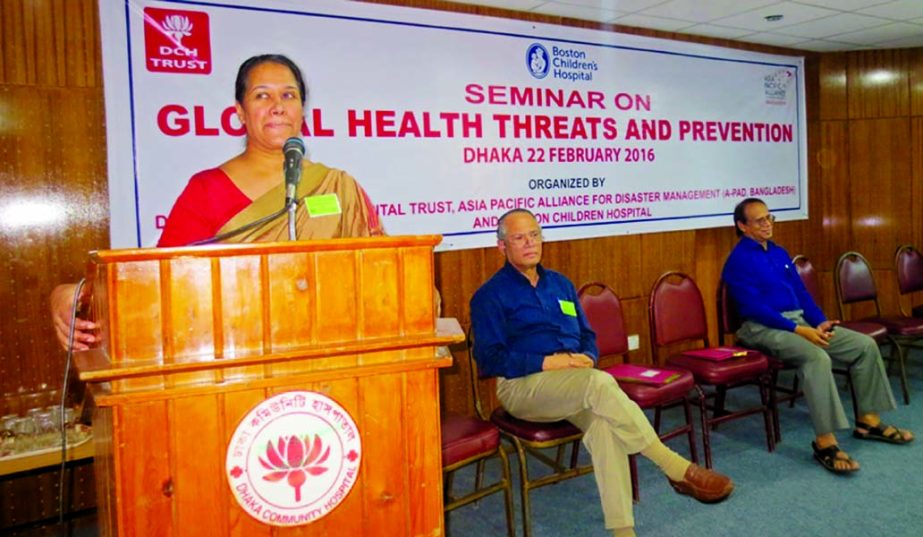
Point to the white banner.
(448, 120)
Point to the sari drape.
(356, 218)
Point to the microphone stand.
(292, 207)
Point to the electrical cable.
(246, 227)
(67, 367)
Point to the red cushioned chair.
(528, 439)
(854, 284)
(808, 276)
(909, 263)
(467, 440)
(604, 313)
(677, 316)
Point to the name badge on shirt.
(568, 307)
(322, 205)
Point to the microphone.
(294, 151)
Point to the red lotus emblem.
(295, 458)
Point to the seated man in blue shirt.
(783, 320)
(530, 331)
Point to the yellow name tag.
(322, 205)
(568, 307)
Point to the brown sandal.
(827, 458)
(877, 433)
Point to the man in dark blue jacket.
(532, 334)
(783, 320)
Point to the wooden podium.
(194, 338)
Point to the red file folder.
(642, 374)
(717, 354)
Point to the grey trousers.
(613, 425)
(814, 363)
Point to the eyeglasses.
(521, 238)
(768, 219)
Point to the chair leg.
(705, 424)
(447, 486)
(774, 405)
(900, 363)
(768, 421)
(524, 489)
(507, 492)
(559, 455)
(574, 453)
(657, 420)
(720, 398)
(479, 475)
(693, 450)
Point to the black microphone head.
(294, 144)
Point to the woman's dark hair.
(240, 85)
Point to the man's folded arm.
(493, 356)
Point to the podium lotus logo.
(178, 26)
(294, 459)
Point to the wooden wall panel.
(830, 195)
(915, 66)
(50, 43)
(880, 204)
(55, 204)
(832, 84)
(877, 84)
(659, 253)
(812, 71)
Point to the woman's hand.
(62, 302)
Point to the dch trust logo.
(537, 60)
(177, 41)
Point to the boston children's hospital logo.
(564, 62)
(537, 60)
(293, 458)
(177, 41)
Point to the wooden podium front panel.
(136, 332)
(195, 338)
(190, 280)
(242, 310)
(194, 305)
(292, 305)
(337, 297)
(418, 267)
(169, 453)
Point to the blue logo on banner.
(537, 60)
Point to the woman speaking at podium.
(270, 97)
